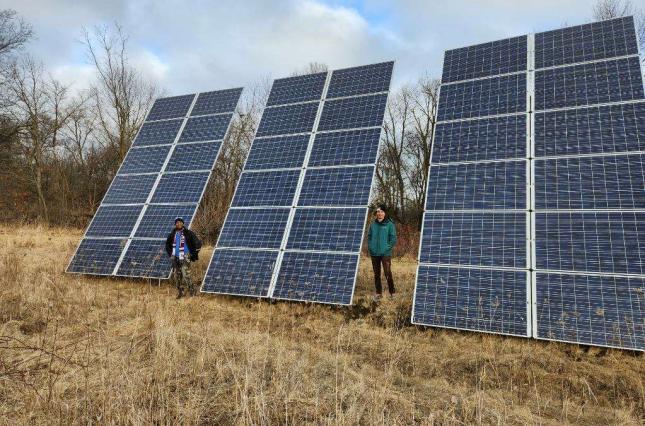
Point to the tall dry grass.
(76, 349)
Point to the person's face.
(380, 215)
(179, 225)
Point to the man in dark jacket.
(381, 239)
(182, 245)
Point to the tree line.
(60, 149)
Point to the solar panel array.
(533, 224)
(589, 180)
(163, 175)
(296, 222)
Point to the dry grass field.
(79, 350)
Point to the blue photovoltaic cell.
(479, 98)
(216, 102)
(345, 148)
(114, 221)
(327, 229)
(317, 277)
(175, 106)
(607, 242)
(346, 186)
(277, 152)
(145, 160)
(497, 57)
(129, 189)
(481, 186)
(593, 83)
(157, 133)
(476, 239)
(592, 130)
(288, 119)
(180, 188)
(607, 182)
(270, 189)
(193, 156)
(350, 113)
(599, 40)
(472, 299)
(146, 258)
(360, 80)
(594, 310)
(254, 228)
(240, 272)
(484, 139)
(96, 256)
(159, 220)
(206, 128)
(297, 89)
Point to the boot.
(180, 294)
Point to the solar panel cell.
(290, 119)
(254, 228)
(607, 182)
(216, 102)
(145, 160)
(159, 220)
(129, 189)
(240, 272)
(317, 277)
(206, 128)
(114, 221)
(592, 130)
(353, 113)
(345, 186)
(327, 229)
(145, 258)
(477, 140)
(476, 239)
(594, 310)
(193, 156)
(360, 80)
(482, 186)
(606, 242)
(180, 187)
(96, 256)
(487, 300)
(171, 107)
(271, 189)
(297, 89)
(157, 133)
(277, 152)
(345, 148)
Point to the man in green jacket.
(381, 238)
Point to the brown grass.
(77, 349)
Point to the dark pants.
(386, 261)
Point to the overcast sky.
(191, 46)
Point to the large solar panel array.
(163, 175)
(295, 225)
(589, 180)
(535, 212)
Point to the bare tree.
(39, 107)
(14, 32)
(425, 97)
(122, 96)
(311, 68)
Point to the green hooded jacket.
(381, 238)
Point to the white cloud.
(204, 45)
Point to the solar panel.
(163, 176)
(589, 186)
(536, 190)
(296, 222)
